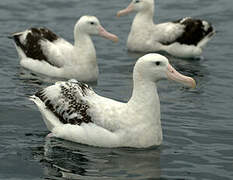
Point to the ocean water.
(197, 124)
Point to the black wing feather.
(32, 47)
(68, 108)
(194, 31)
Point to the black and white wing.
(30, 42)
(186, 31)
(66, 100)
(195, 30)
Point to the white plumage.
(42, 51)
(183, 38)
(73, 111)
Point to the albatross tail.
(49, 118)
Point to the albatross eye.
(157, 63)
(92, 23)
(137, 1)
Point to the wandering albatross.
(184, 38)
(73, 111)
(44, 52)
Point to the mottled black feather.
(194, 31)
(32, 47)
(72, 104)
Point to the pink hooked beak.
(106, 34)
(176, 76)
(125, 11)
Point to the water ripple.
(197, 124)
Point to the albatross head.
(154, 67)
(138, 6)
(92, 26)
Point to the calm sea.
(197, 124)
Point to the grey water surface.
(197, 124)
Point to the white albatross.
(42, 51)
(182, 38)
(73, 111)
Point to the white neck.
(145, 106)
(144, 17)
(145, 99)
(139, 32)
(83, 44)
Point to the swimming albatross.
(73, 111)
(182, 38)
(42, 51)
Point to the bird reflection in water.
(63, 159)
